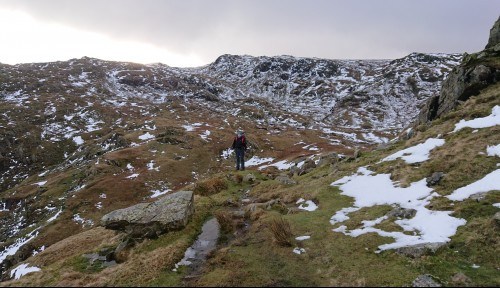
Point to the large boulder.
(149, 220)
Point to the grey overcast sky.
(196, 32)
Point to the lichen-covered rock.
(425, 281)
(149, 220)
(330, 158)
(285, 180)
(434, 178)
(307, 167)
(402, 213)
(419, 250)
(249, 178)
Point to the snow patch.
(227, 153)
(255, 161)
(55, 216)
(157, 193)
(299, 251)
(146, 136)
(191, 127)
(308, 206)
(370, 190)
(22, 270)
(488, 183)
(493, 150)
(41, 183)
(78, 140)
(302, 238)
(418, 153)
(488, 121)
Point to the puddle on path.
(206, 243)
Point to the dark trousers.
(240, 158)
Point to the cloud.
(320, 28)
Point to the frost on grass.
(418, 153)
(370, 190)
(489, 121)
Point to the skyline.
(194, 32)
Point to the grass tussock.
(210, 186)
(225, 221)
(281, 231)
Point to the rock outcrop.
(149, 220)
(476, 72)
(494, 35)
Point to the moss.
(83, 265)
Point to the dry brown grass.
(282, 231)
(76, 245)
(210, 187)
(225, 221)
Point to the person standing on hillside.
(239, 147)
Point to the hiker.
(239, 146)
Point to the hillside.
(248, 253)
(317, 206)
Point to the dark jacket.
(240, 142)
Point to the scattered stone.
(246, 201)
(434, 178)
(356, 154)
(460, 279)
(308, 166)
(478, 196)
(109, 253)
(293, 210)
(425, 281)
(328, 159)
(249, 178)
(294, 170)
(418, 250)
(109, 264)
(93, 257)
(230, 202)
(496, 218)
(285, 180)
(402, 213)
(238, 214)
(149, 220)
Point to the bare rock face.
(149, 220)
(476, 72)
(494, 35)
